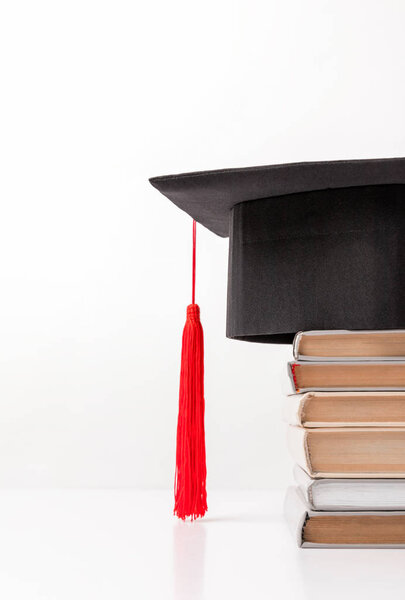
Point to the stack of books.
(347, 436)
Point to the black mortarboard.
(317, 245)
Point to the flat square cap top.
(208, 196)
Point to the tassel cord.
(194, 261)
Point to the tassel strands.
(190, 479)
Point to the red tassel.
(190, 480)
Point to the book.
(351, 452)
(345, 409)
(342, 529)
(353, 376)
(349, 345)
(350, 494)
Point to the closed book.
(337, 345)
(350, 494)
(351, 452)
(353, 376)
(342, 529)
(345, 409)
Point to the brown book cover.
(349, 345)
(350, 452)
(337, 529)
(345, 409)
(353, 376)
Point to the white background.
(95, 264)
(97, 96)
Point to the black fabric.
(312, 245)
(331, 259)
(208, 196)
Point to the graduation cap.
(316, 245)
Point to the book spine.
(296, 513)
(292, 409)
(297, 444)
(291, 374)
(296, 343)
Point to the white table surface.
(77, 544)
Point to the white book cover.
(350, 494)
(297, 511)
(293, 408)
